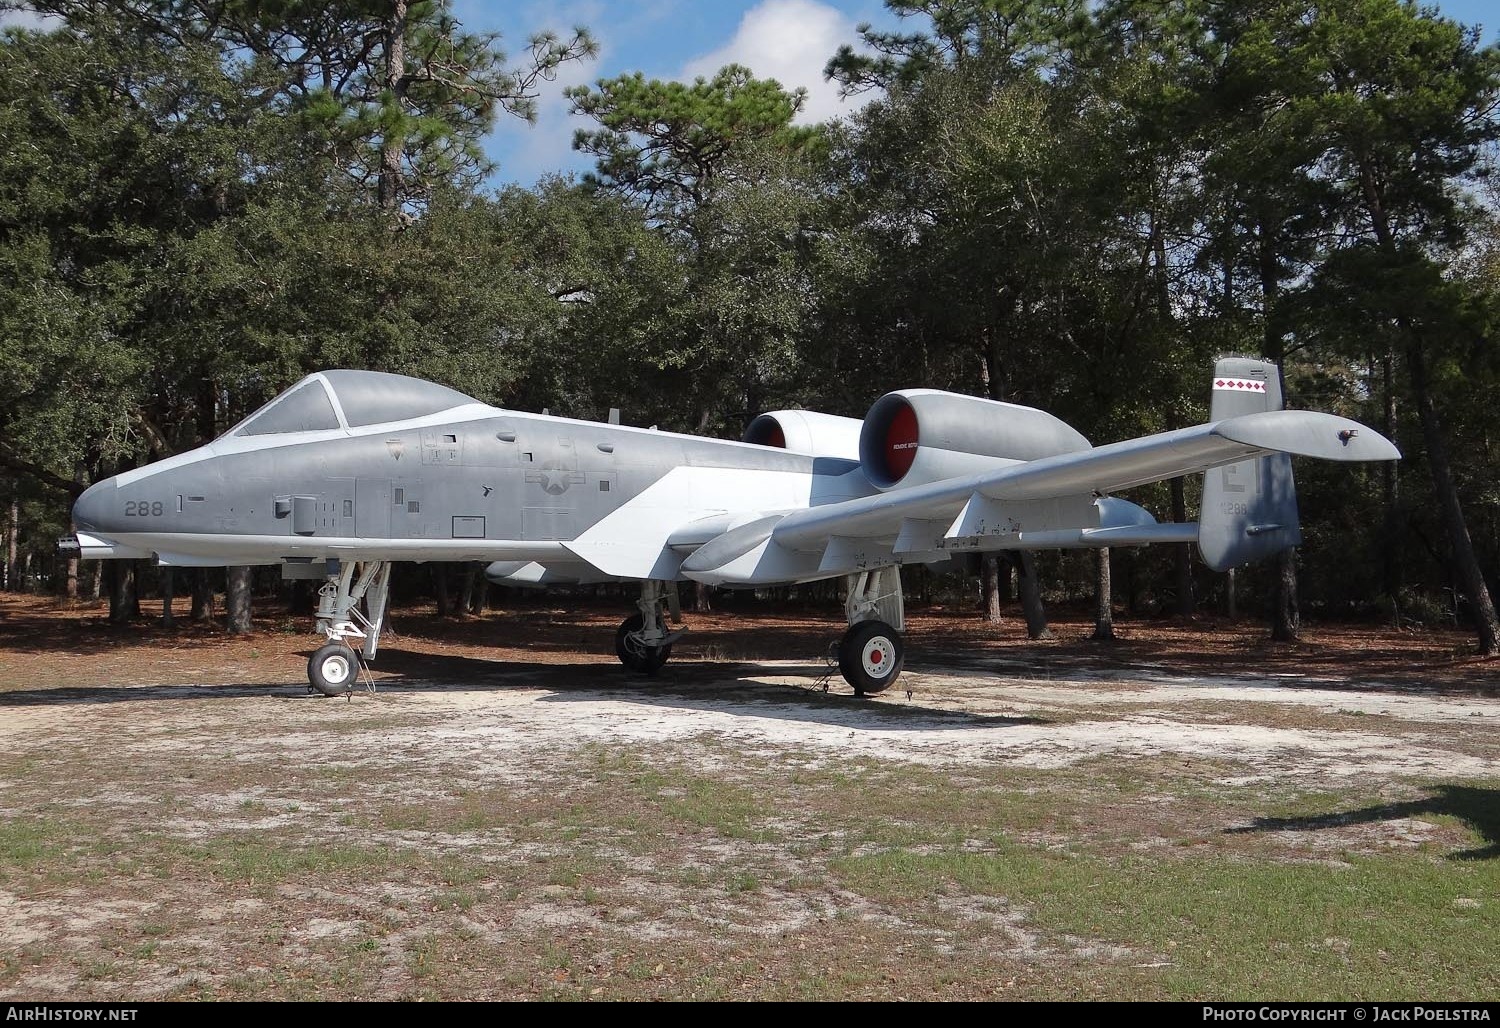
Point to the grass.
(705, 869)
(30, 842)
(251, 859)
(1368, 927)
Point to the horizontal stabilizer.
(1305, 433)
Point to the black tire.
(870, 657)
(333, 670)
(644, 660)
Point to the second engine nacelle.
(806, 431)
(915, 436)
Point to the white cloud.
(789, 41)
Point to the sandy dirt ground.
(185, 820)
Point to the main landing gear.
(334, 669)
(871, 652)
(642, 642)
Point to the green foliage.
(1030, 33)
(399, 92)
(1075, 206)
(675, 144)
(726, 181)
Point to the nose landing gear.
(334, 669)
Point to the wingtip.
(1309, 434)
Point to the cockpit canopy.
(363, 397)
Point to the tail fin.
(1250, 508)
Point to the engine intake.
(805, 431)
(915, 436)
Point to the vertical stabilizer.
(1250, 508)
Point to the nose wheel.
(870, 656)
(333, 669)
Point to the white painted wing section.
(634, 541)
(1101, 469)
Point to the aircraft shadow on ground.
(1479, 808)
(723, 687)
(83, 694)
(695, 685)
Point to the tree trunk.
(168, 592)
(1469, 573)
(703, 598)
(12, 569)
(1433, 435)
(480, 600)
(1286, 621)
(203, 595)
(1231, 602)
(70, 589)
(1031, 598)
(1182, 555)
(237, 600)
(991, 570)
(466, 594)
(96, 581)
(208, 410)
(440, 589)
(1470, 576)
(1286, 618)
(123, 605)
(1394, 538)
(389, 187)
(1104, 612)
(989, 587)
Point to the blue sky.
(789, 40)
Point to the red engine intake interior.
(901, 442)
(766, 431)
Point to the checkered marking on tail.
(1242, 385)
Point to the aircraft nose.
(92, 509)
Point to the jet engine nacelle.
(806, 431)
(915, 436)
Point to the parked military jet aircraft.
(348, 471)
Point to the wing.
(1052, 501)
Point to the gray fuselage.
(440, 490)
